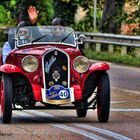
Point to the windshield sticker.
(49, 64)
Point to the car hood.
(40, 50)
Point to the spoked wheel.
(81, 112)
(6, 98)
(103, 98)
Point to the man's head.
(23, 32)
(58, 22)
(58, 30)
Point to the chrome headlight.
(30, 63)
(81, 64)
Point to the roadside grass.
(115, 58)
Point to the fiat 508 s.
(46, 69)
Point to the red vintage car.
(51, 69)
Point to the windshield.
(42, 35)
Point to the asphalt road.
(123, 123)
(124, 77)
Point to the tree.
(65, 9)
(111, 14)
(46, 11)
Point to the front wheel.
(6, 98)
(103, 98)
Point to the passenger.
(24, 35)
(10, 44)
(58, 32)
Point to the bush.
(5, 16)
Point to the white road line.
(118, 102)
(72, 129)
(124, 110)
(100, 130)
(104, 131)
(125, 90)
(79, 131)
(121, 110)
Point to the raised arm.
(33, 14)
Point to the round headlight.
(81, 64)
(30, 63)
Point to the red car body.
(30, 90)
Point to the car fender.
(9, 68)
(100, 66)
(12, 69)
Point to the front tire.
(103, 98)
(6, 98)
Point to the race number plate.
(57, 94)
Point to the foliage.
(66, 10)
(13, 11)
(5, 16)
(133, 14)
(46, 11)
(111, 21)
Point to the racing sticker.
(58, 93)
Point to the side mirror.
(81, 39)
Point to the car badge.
(56, 76)
(64, 68)
(49, 63)
(51, 83)
(64, 83)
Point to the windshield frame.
(15, 38)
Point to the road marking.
(68, 128)
(118, 102)
(100, 130)
(124, 110)
(125, 90)
(121, 110)
(104, 131)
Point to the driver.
(23, 35)
(9, 45)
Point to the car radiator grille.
(56, 68)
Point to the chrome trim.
(77, 58)
(43, 69)
(25, 58)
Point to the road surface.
(124, 121)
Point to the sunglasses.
(25, 32)
(57, 28)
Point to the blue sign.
(58, 92)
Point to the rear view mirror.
(81, 39)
